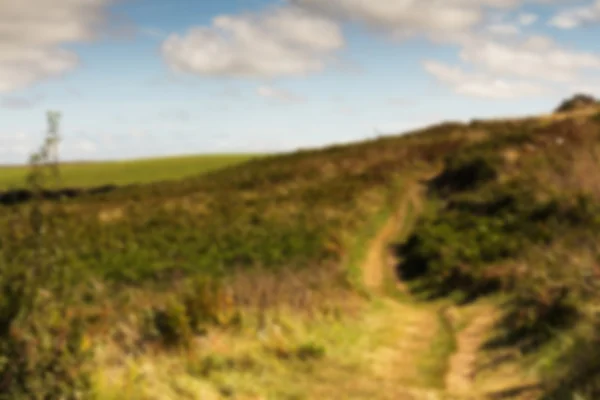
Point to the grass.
(284, 212)
(234, 283)
(434, 365)
(525, 226)
(128, 172)
(372, 354)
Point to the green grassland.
(235, 282)
(127, 172)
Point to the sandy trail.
(459, 379)
(378, 260)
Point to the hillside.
(262, 279)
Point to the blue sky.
(136, 78)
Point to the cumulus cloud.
(536, 57)
(283, 41)
(527, 19)
(504, 29)
(521, 66)
(576, 16)
(402, 18)
(481, 84)
(445, 20)
(504, 61)
(32, 31)
(278, 94)
(301, 36)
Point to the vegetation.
(264, 256)
(157, 264)
(577, 102)
(278, 212)
(43, 349)
(520, 214)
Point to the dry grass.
(374, 354)
(302, 335)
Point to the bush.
(576, 102)
(460, 246)
(44, 352)
(207, 302)
(465, 172)
(171, 324)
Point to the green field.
(128, 172)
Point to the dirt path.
(418, 339)
(462, 367)
(375, 263)
(378, 260)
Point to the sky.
(142, 78)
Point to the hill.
(238, 281)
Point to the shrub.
(171, 324)
(578, 101)
(459, 247)
(465, 172)
(309, 351)
(44, 352)
(206, 301)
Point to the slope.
(242, 282)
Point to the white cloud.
(526, 19)
(515, 66)
(32, 31)
(402, 18)
(278, 94)
(536, 57)
(299, 37)
(503, 29)
(481, 84)
(576, 16)
(446, 20)
(284, 41)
